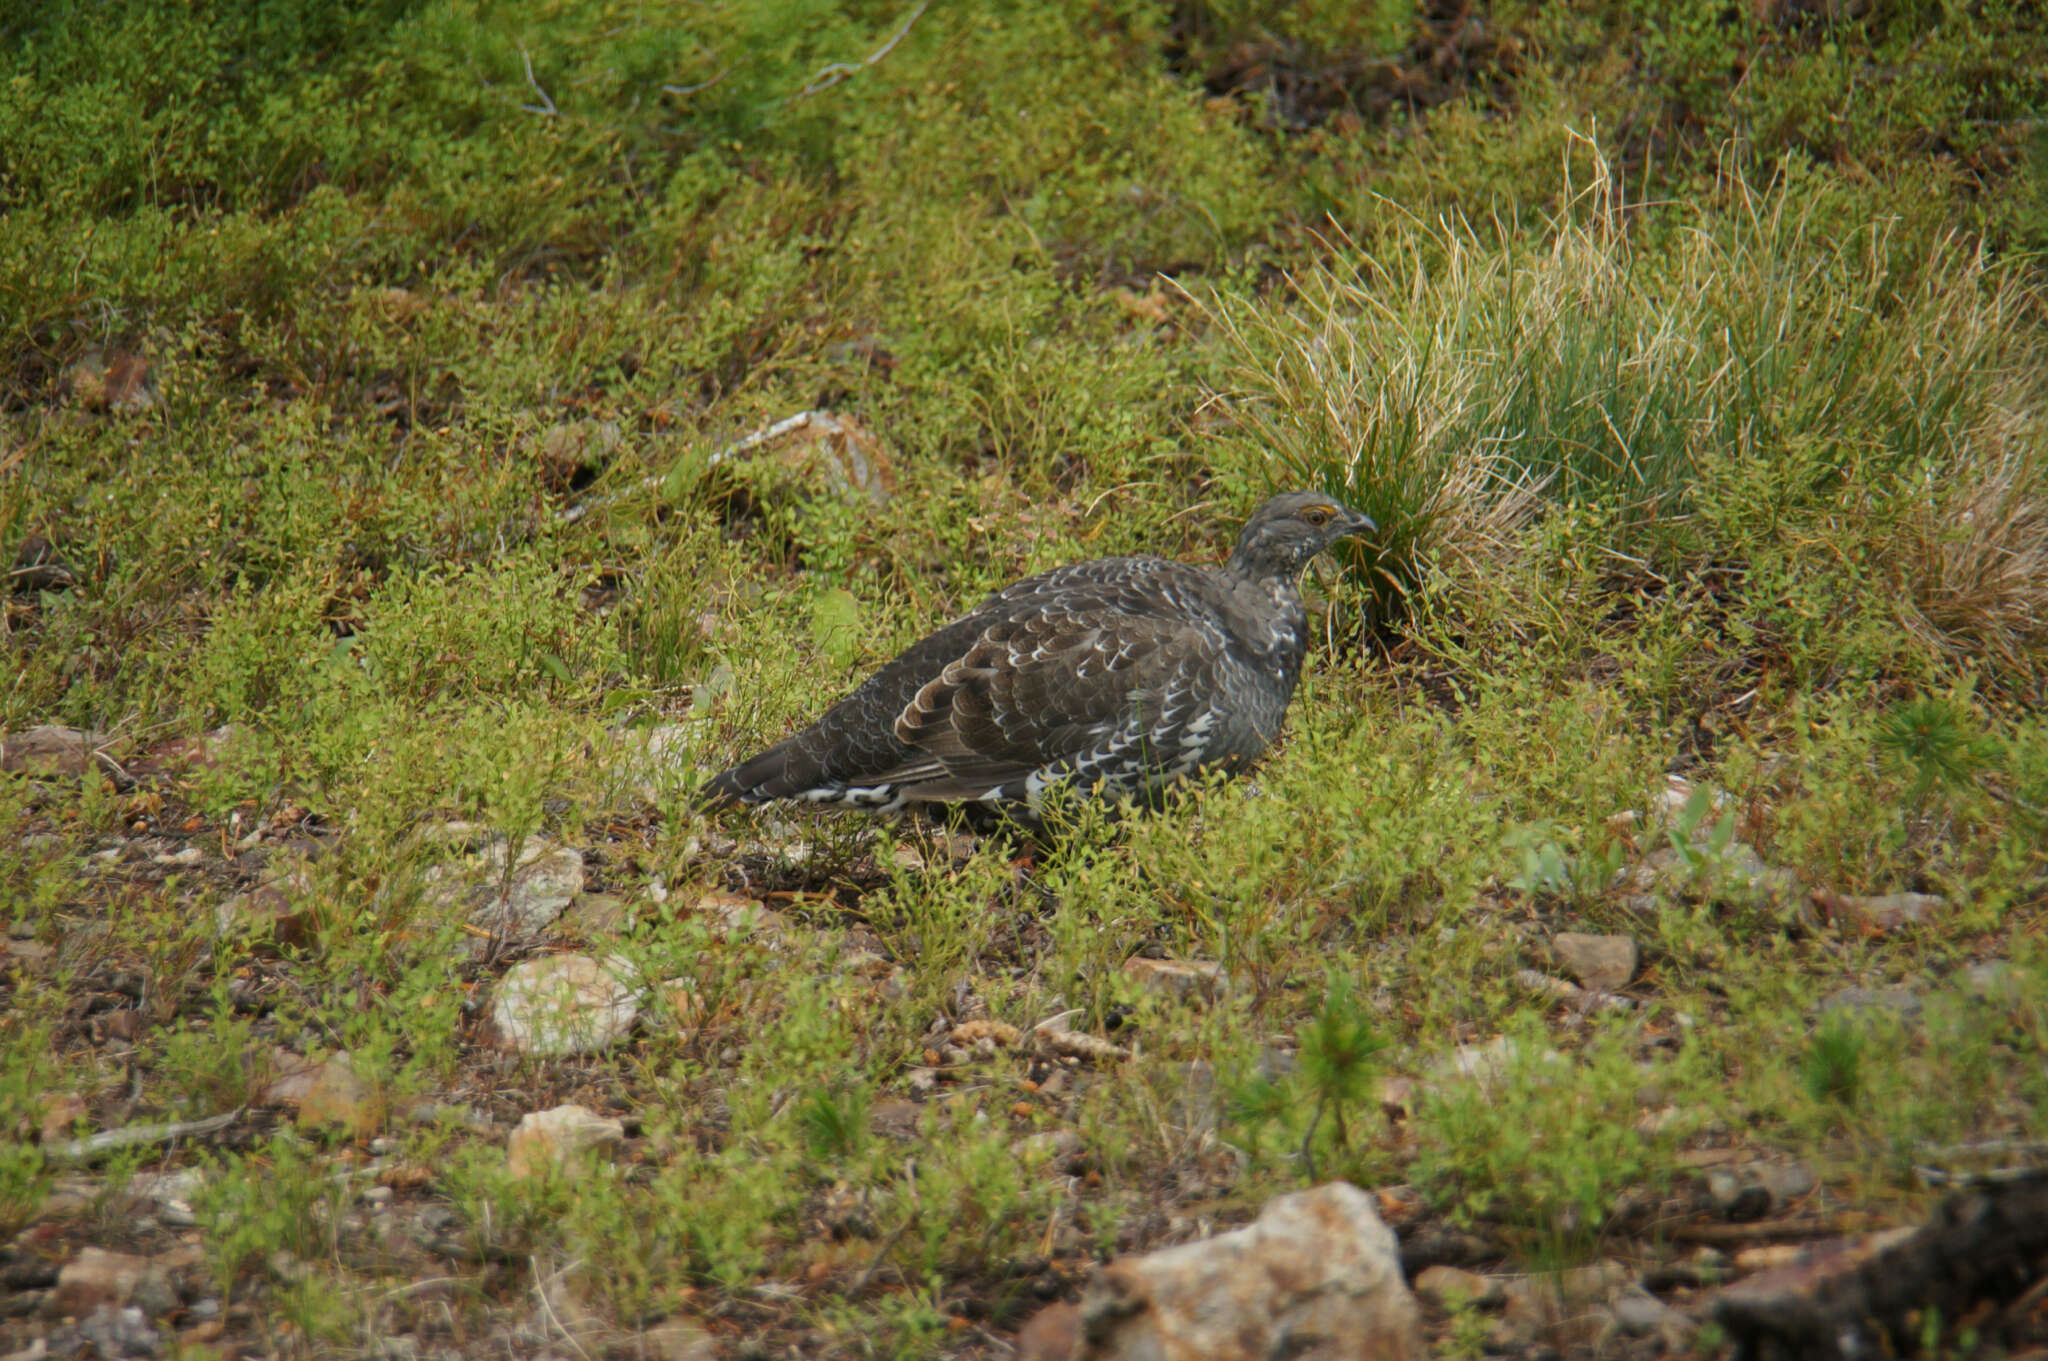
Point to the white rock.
(1197, 980)
(557, 1140)
(1315, 1278)
(555, 1005)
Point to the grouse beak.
(1356, 523)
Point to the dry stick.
(831, 75)
(546, 105)
(540, 1288)
(867, 1274)
(693, 89)
(1308, 1141)
(728, 453)
(134, 1136)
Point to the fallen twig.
(546, 105)
(867, 1274)
(832, 74)
(96, 1146)
(731, 451)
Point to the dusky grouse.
(1116, 676)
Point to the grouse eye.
(1316, 516)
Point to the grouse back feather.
(1116, 677)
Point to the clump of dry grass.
(1699, 378)
(1972, 564)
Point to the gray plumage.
(1116, 676)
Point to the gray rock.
(48, 749)
(115, 1333)
(541, 887)
(1786, 1181)
(1315, 1278)
(1735, 872)
(1996, 980)
(501, 908)
(1736, 1196)
(1642, 1314)
(1885, 912)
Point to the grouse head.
(1288, 530)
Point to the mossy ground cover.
(361, 375)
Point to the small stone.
(1486, 1064)
(60, 1114)
(1450, 1286)
(292, 1076)
(95, 1277)
(1316, 1277)
(558, 1141)
(676, 1340)
(1883, 913)
(117, 1333)
(557, 1005)
(338, 1097)
(1187, 980)
(50, 750)
(1033, 1149)
(1785, 1181)
(67, 1198)
(276, 910)
(1640, 1314)
(171, 1194)
(118, 381)
(741, 917)
(1996, 980)
(1737, 1194)
(1606, 963)
(28, 956)
(191, 855)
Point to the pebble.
(557, 1140)
(1450, 1286)
(1606, 963)
(556, 1005)
(1640, 1313)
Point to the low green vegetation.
(376, 385)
